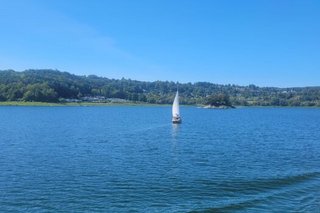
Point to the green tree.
(219, 99)
(40, 92)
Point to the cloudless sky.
(262, 42)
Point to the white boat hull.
(176, 120)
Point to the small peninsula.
(218, 101)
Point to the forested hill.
(56, 86)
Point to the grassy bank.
(23, 103)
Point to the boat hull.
(176, 120)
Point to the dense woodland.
(56, 86)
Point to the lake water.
(132, 159)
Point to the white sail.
(175, 106)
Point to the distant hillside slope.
(55, 86)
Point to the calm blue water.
(132, 159)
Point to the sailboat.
(176, 119)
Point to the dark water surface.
(132, 159)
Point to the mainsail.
(175, 106)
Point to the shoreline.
(88, 104)
(84, 104)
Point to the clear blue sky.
(262, 42)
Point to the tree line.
(56, 86)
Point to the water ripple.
(132, 159)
